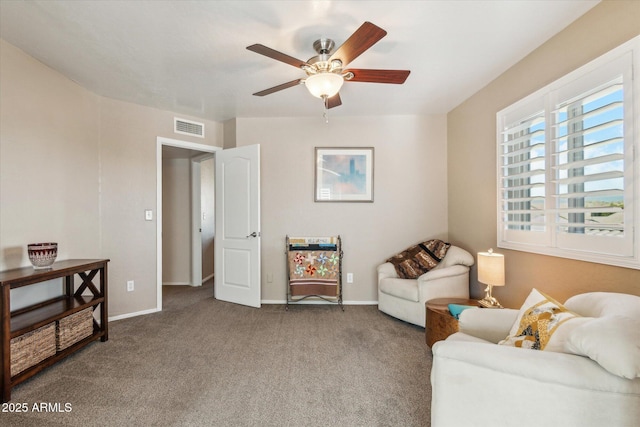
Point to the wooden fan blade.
(279, 87)
(364, 37)
(278, 56)
(378, 76)
(334, 101)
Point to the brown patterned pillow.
(418, 259)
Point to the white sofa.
(477, 383)
(405, 298)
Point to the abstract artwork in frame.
(344, 174)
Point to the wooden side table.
(439, 322)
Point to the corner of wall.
(229, 133)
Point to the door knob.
(254, 234)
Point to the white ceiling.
(189, 56)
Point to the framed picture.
(344, 174)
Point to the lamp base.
(489, 301)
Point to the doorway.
(180, 221)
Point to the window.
(567, 173)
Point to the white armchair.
(477, 383)
(405, 298)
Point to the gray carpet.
(203, 362)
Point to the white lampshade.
(324, 84)
(491, 268)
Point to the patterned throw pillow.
(542, 324)
(418, 259)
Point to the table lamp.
(491, 273)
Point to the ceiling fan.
(326, 71)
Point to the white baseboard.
(319, 302)
(187, 283)
(360, 302)
(266, 302)
(137, 313)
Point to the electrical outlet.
(130, 285)
(349, 277)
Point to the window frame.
(544, 101)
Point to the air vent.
(187, 127)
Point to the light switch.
(148, 215)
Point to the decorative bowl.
(42, 255)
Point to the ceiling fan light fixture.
(323, 85)
(326, 71)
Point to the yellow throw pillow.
(542, 324)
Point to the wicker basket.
(73, 328)
(32, 348)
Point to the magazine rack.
(314, 269)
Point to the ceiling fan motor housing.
(321, 63)
(323, 46)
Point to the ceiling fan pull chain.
(326, 108)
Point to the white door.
(237, 238)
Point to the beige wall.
(49, 161)
(106, 179)
(128, 142)
(176, 221)
(49, 156)
(472, 159)
(229, 133)
(98, 159)
(106, 150)
(410, 198)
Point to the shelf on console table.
(19, 322)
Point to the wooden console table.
(16, 323)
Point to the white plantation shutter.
(522, 165)
(589, 164)
(566, 165)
